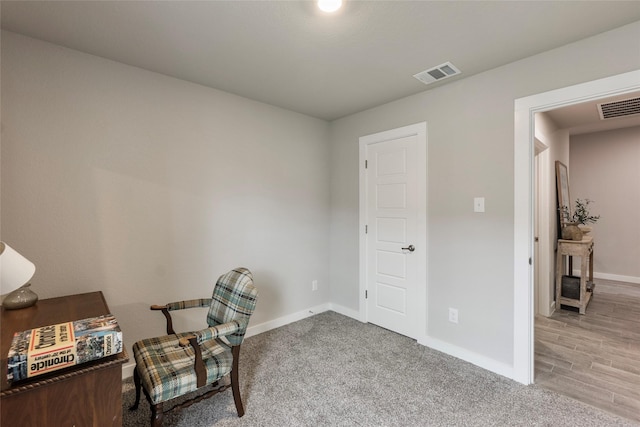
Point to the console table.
(584, 249)
(89, 394)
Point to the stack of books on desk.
(49, 348)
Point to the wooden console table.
(89, 394)
(584, 249)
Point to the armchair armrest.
(195, 339)
(179, 305)
(201, 371)
(217, 331)
(192, 303)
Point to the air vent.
(438, 73)
(626, 107)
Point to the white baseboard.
(617, 277)
(607, 276)
(484, 362)
(127, 368)
(354, 314)
(285, 320)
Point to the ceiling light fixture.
(329, 6)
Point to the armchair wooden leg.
(136, 381)
(156, 415)
(235, 385)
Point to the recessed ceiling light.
(329, 6)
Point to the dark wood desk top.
(49, 312)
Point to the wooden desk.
(85, 395)
(584, 249)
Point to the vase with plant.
(580, 217)
(581, 214)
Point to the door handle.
(411, 248)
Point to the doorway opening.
(524, 193)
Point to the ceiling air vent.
(438, 73)
(626, 107)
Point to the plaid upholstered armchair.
(179, 363)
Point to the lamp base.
(22, 297)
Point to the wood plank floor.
(595, 357)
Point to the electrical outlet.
(453, 315)
(314, 285)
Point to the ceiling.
(288, 54)
(585, 117)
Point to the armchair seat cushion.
(167, 371)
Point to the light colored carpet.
(330, 370)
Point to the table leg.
(583, 283)
(591, 265)
(559, 271)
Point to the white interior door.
(543, 270)
(536, 238)
(395, 231)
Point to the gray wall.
(470, 137)
(605, 167)
(148, 188)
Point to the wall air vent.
(438, 73)
(624, 108)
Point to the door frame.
(525, 109)
(420, 131)
(542, 209)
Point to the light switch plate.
(478, 204)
